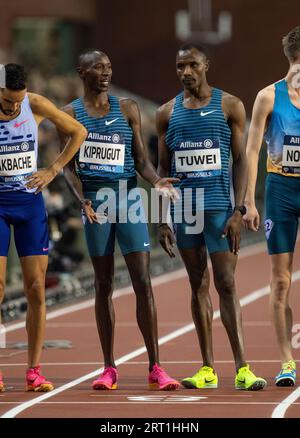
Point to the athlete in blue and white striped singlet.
(112, 152)
(198, 131)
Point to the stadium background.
(141, 38)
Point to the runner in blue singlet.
(276, 117)
(114, 152)
(197, 132)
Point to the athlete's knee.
(142, 285)
(35, 292)
(104, 286)
(199, 282)
(198, 279)
(225, 285)
(280, 287)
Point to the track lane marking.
(254, 296)
(255, 249)
(156, 281)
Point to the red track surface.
(180, 357)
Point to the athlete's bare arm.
(163, 115)
(42, 109)
(71, 177)
(140, 154)
(262, 110)
(236, 118)
(235, 113)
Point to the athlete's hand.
(91, 215)
(251, 218)
(165, 186)
(40, 179)
(166, 239)
(232, 230)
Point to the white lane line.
(156, 281)
(280, 410)
(188, 328)
(151, 402)
(163, 340)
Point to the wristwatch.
(241, 208)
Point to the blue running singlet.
(103, 160)
(283, 134)
(106, 154)
(199, 140)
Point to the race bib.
(103, 153)
(291, 154)
(17, 159)
(198, 159)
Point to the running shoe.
(2, 387)
(36, 382)
(107, 379)
(205, 378)
(246, 380)
(287, 375)
(159, 379)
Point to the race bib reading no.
(291, 154)
(198, 159)
(103, 152)
(17, 159)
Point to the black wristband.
(241, 208)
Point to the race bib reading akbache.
(17, 159)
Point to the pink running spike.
(159, 379)
(107, 379)
(36, 382)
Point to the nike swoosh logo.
(45, 249)
(146, 244)
(205, 113)
(17, 125)
(110, 121)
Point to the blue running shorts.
(282, 211)
(26, 213)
